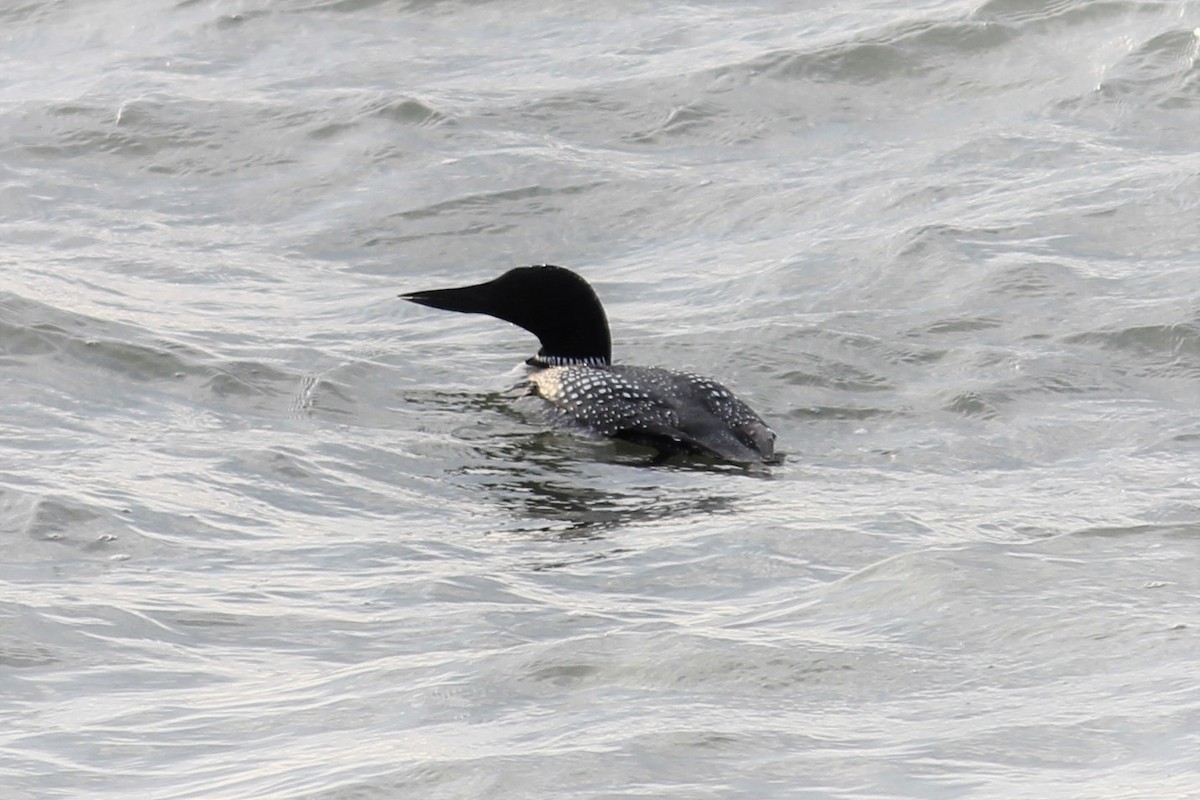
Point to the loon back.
(670, 411)
(573, 371)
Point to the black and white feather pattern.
(658, 407)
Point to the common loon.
(573, 370)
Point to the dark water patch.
(228, 22)
(171, 135)
(1151, 92)
(686, 123)
(972, 404)
(1163, 71)
(1039, 280)
(961, 325)
(248, 379)
(772, 94)
(987, 162)
(29, 328)
(95, 360)
(560, 483)
(1187, 438)
(1174, 340)
(131, 361)
(406, 110)
(17, 342)
(573, 509)
(1024, 12)
(872, 346)
(341, 399)
(526, 199)
(347, 114)
(822, 412)
(936, 235)
(291, 483)
(74, 130)
(20, 14)
(1167, 353)
(685, 662)
(584, 103)
(839, 376)
(853, 62)
(26, 654)
(1189, 531)
(1001, 373)
(854, 362)
(676, 112)
(355, 6)
(485, 217)
(39, 527)
(459, 405)
(1138, 214)
(969, 38)
(905, 50)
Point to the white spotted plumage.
(656, 406)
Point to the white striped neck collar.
(541, 360)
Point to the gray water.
(269, 531)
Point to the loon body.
(573, 370)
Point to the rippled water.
(271, 532)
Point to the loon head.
(552, 303)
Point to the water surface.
(272, 532)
